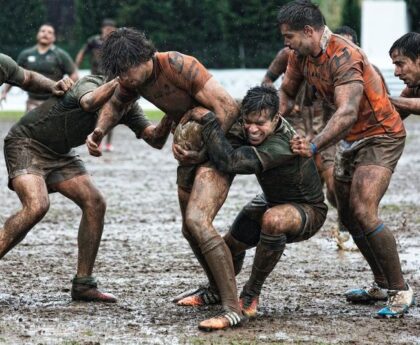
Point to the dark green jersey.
(61, 124)
(53, 64)
(10, 72)
(284, 177)
(93, 47)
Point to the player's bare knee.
(273, 223)
(38, 208)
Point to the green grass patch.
(10, 115)
(154, 115)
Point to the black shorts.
(247, 225)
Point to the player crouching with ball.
(291, 206)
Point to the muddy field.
(144, 260)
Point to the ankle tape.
(377, 230)
(273, 242)
(85, 281)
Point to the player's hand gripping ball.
(188, 136)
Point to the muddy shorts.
(313, 217)
(27, 156)
(384, 151)
(186, 173)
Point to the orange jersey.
(342, 62)
(175, 80)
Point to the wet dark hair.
(259, 98)
(408, 45)
(299, 13)
(347, 30)
(123, 49)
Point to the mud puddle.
(144, 260)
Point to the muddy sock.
(384, 248)
(268, 253)
(238, 261)
(364, 247)
(219, 260)
(200, 257)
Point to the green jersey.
(283, 176)
(10, 72)
(53, 64)
(61, 124)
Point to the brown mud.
(144, 260)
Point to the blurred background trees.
(221, 33)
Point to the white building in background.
(383, 22)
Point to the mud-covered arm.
(347, 99)
(406, 106)
(242, 160)
(109, 116)
(290, 86)
(94, 100)
(214, 97)
(156, 136)
(277, 67)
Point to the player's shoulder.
(7, 60)
(28, 51)
(93, 39)
(342, 51)
(57, 50)
(90, 79)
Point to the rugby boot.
(227, 319)
(249, 305)
(204, 295)
(398, 303)
(86, 289)
(371, 294)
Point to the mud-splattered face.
(301, 41)
(45, 35)
(135, 77)
(258, 126)
(406, 69)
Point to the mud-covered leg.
(83, 192)
(278, 223)
(208, 195)
(183, 197)
(348, 219)
(33, 194)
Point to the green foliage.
(414, 14)
(220, 33)
(352, 14)
(19, 21)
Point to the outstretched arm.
(94, 100)
(406, 106)
(110, 114)
(156, 136)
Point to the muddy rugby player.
(176, 83)
(46, 59)
(308, 118)
(40, 159)
(291, 207)
(372, 140)
(405, 55)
